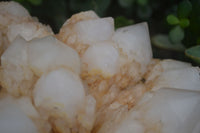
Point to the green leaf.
(162, 41)
(194, 53)
(172, 20)
(142, 2)
(121, 21)
(35, 2)
(184, 9)
(184, 23)
(126, 3)
(176, 34)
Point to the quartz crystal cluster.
(90, 78)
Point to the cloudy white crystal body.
(134, 42)
(16, 21)
(45, 75)
(28, 30)
(15, 74)
(13, 8)
(164, 111)
(13, 119)
(50, 55)
(61, 90)
(175, 74)
(91, 31)
(101, 58)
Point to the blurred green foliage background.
(174, 24)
